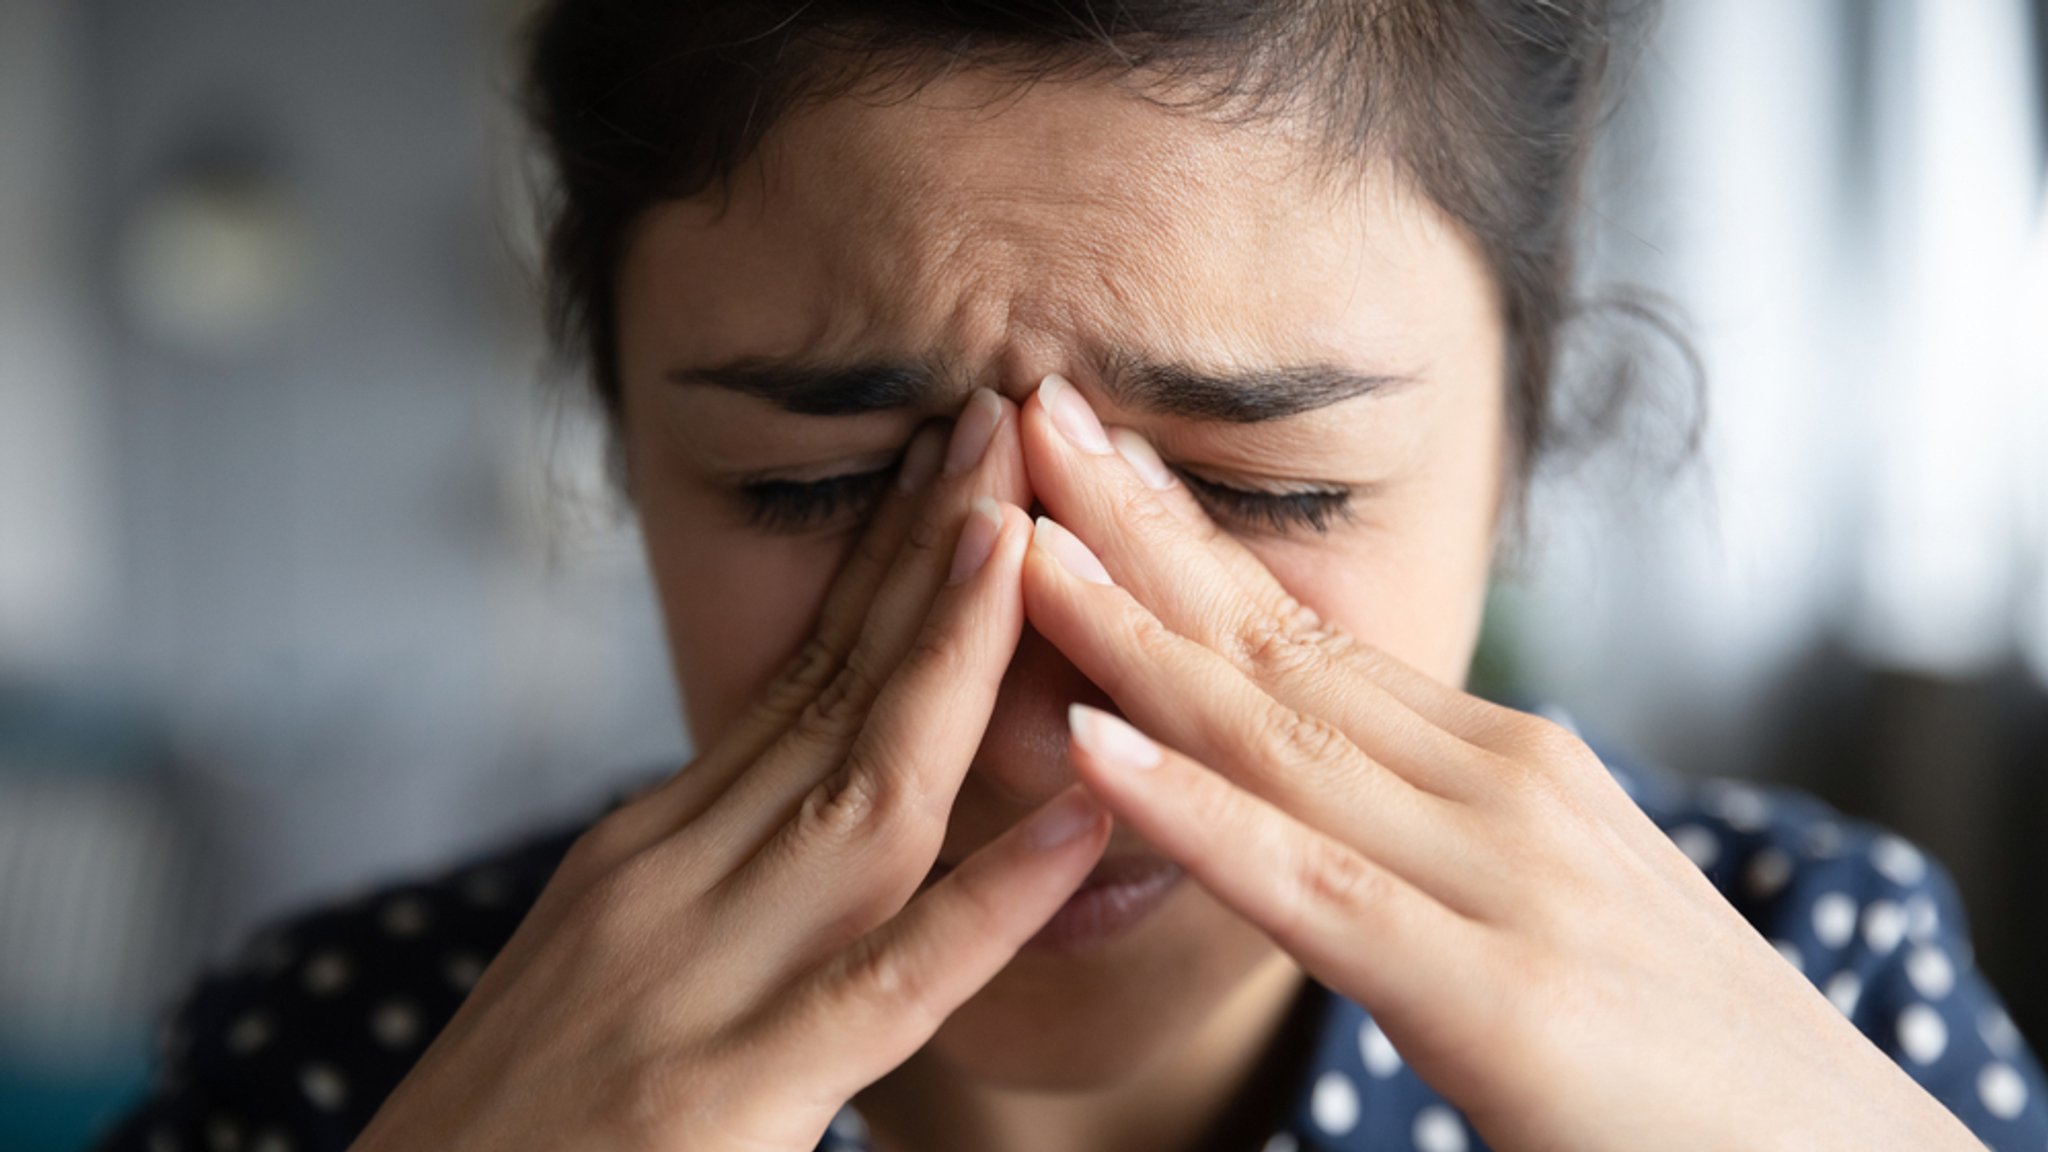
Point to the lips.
(1117, 895)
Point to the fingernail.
(1072, 416)
(1067, 548)
(977, 539)
(920, 460)
(1062, 820)
(1142, 459)
(972, 432)
(1111, 740)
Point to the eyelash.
(1311, 508)
(794, 506)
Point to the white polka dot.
(1438, 1129)
(2002, 1090)
(1834, 918)
(1844, 990)
(463, 970)
(1377, 1051)
(1922, 1035)
(1767, 872)
(1899, 861)
(224, 1134)
(324, 1086)
(1823, 839)
(272, 1140)
(1743, 807)
(1929, 969)
(849, 1125)
(405, 917)
(1790, 952)
(1281, 1142)
(395, 1024)
(1884, 925)
(1998, 1031)
(327, 972)
(249, 1033)
(1334, 1103)
(1700, 845)
(1923, 919)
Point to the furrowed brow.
(820, 390)
(1245, 396)
(1178, 391)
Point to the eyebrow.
(1232, 396)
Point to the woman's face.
(991, 237)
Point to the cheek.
(1421, 605)
(738, 607)
(1411, 578)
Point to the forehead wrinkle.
(951, 256)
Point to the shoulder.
(292, 1044)
(1873, 921)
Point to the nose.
(1022, 761)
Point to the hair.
(1488, 106)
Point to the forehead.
(971, 223)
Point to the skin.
(923, 678)
(1011, 243)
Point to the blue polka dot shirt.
(295, 1044)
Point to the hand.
(722, 962)
(1534, 946)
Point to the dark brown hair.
(1488, 105)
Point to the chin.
(1094, 1018)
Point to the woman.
(1071, 441)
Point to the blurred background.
(309, 575)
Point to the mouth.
(1117, 895)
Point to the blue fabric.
(294, 1045)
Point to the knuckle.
(1152, 637)
(886, 980)
(1545, 746)
(602, 846)
(835, 810)
(1286, 638)
(843, 701)
(1331, 877)
(612, 910)
(812, 667)
(859, 801)
(1289, 737)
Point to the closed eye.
(1313, 507)
(789, 507)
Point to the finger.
(982, 463)
(1354, 924)
(684, 795)
(1207, 586)
(1198, 701)
(874, 1004)
(1155, 674)
(857, 842)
